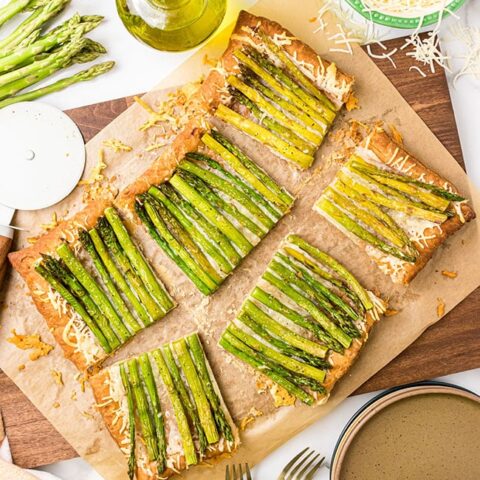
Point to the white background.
(140, 68)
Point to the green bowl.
(399, 22)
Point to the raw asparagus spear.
(211, 213)
(61, 84)
(211, 230)
(182, 421)
(287, 362)
(126, 268)
(9, 10)
(76, 305)
(149, 380)
(188, 404)
(190, 227)
(143, 410)
(203, 406)
(132, 462)
(198, 356)
(337, 267)
(264, 136)
(117, 276)
(117, 300)
(227, 188)
(233, 345)
(98, 296)
(139, 263)
(282, 332)
(248, 169)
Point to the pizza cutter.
(41, 161)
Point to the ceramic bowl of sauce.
(419, 432)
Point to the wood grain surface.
(450, 346)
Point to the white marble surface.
(140, 68)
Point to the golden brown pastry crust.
(24, 262)
(396, 157)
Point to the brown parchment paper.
(77, 420)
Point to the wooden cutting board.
(449, 346)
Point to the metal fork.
(239, 476)
(308, 459)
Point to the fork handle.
(5, 244)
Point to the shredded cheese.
(406, 8)
(117, 145)
(31, 342)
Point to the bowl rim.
(381, 401)
(395, 21)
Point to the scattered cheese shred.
(470, 38)
(352, 103)
(390, 312)
(57, 376)
(448, 274)
(21, 367)
(46, 227)
(96, 185)
(250, 417)
(117, 145)
(56, 405)
(397, 136)
(440, 307)
(30, 342)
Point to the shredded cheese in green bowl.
(405, 13)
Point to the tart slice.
(395, 207)
(304, 323)
(165, 410)
(93, 285)
(211, 213)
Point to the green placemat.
(399, 22)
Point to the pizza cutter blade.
(42, 160)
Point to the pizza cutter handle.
(5, 245)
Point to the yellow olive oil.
(171, 25)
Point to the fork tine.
(303, 473)
(247, 469)
(290, 464)
(234, 469)
(313, 471)
(302, 462)
(241, 471)
(227, 473)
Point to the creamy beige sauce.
(430, 436)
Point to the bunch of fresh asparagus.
(306, 305)
(287, 111)
(112, 318)
(181, 369)
(379, 207)
(29, 54)
(210, 215)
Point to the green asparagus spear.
(151, 387)
(212, 214)
(118, 278)
(76, 305)
(337, 267)
(188, 264)
(231, 344)
(198, 356)
(276, 72)
(139, 263)
(180, 415)
(282, 332)
(282, 346)
(11, 9)
(276, 305)
(61, 84)
(187, 402)
(210, 230)
(143, 410)
(248, 169)
(203, 406)
(98, 296)
(299, 76)
(203, 241)
(227, 188)
(132, 462)
(117, 301)
(108, 236)
(239, 183)
(326, 206)
(264, 136)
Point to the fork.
(308, 459)
(248, 475)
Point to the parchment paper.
(378, 100)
